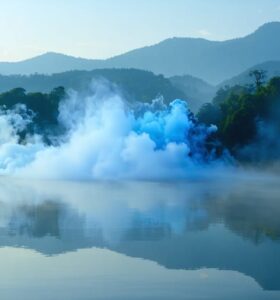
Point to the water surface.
(140, 240)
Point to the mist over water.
(226, 235)
(106, 138)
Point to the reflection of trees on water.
(249, 214)
(37, 220)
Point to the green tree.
(259, 77)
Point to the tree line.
(240, 111)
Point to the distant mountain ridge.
(201, 92)
(212, 61)
(271, 68)
(48, 63)
(195, 89)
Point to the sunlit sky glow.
(104, 28)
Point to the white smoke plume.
(107, 139)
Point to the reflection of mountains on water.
(236, 229)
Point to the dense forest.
(248, 119)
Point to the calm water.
(179, 240)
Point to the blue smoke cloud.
(107, 139)
(175, 125)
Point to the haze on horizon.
(101, 29)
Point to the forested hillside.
(248, 119)
(136, 85)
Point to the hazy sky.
(103, 28)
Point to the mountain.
(271, 68)
(212, 61)
(136, 85)
(48, 63)
(197, 91)
(208, 60)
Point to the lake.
(196, 239)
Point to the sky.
(104, 28)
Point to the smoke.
(106, 138)
(13, 122)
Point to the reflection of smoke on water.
(110, 209)
(111, 212)
(47, 218)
